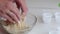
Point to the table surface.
(42, 28)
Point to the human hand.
(22, 4)
(9, 11)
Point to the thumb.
(22, 4)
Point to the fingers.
(22, 5)
(10, 12)
(12, 15)
(7, 17)
(13, 8)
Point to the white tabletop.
(41, 28)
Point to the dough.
(21, 26)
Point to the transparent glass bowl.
(30, 21)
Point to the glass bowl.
(30, 21)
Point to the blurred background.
(43, 5)
(38, 7)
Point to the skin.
(9, 9)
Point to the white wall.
(43, 3)
(38, 6)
